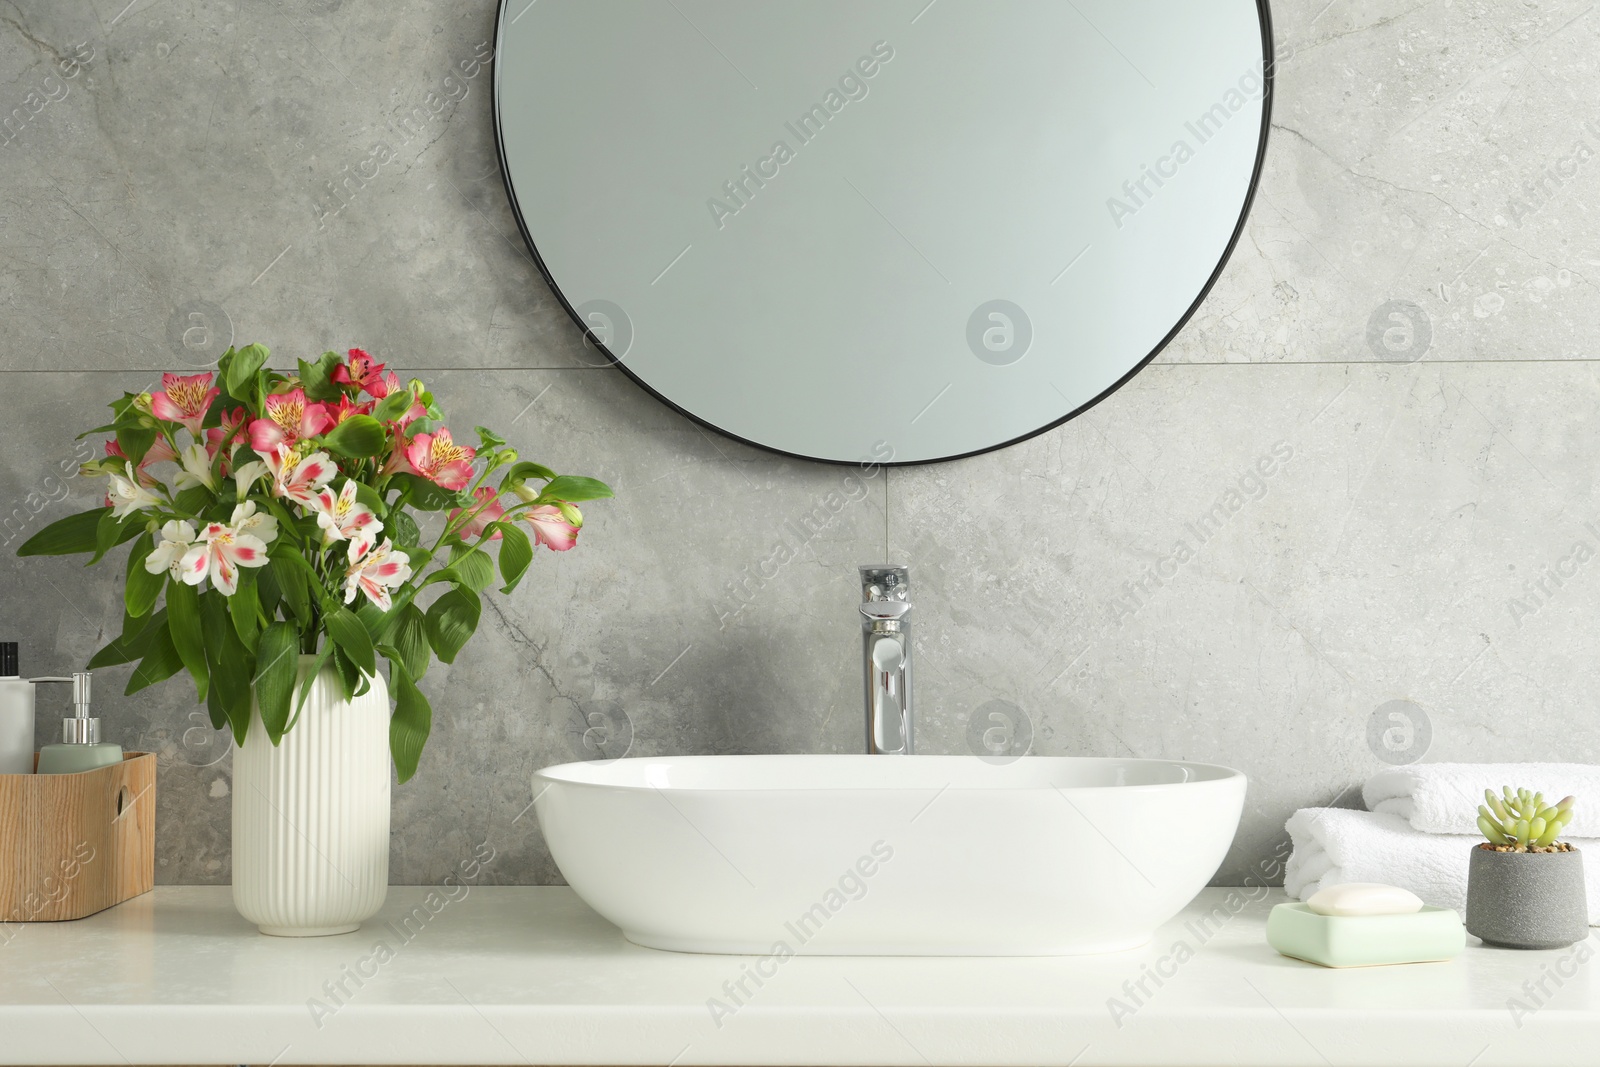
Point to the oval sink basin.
(888, 855)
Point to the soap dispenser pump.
(81, 748)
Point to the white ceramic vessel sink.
(888, 855)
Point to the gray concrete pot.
(1527, 899)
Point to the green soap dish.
(1426, 936)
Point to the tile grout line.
(1276, 364)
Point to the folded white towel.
(1443, 798)
(1333, 846)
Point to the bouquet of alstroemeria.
(289, 500)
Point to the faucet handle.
(885, 581)
(885, 610)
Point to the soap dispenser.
(81, 748)
(16, 714)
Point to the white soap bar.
(1364, 898)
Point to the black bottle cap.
(8, 659)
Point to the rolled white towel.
(1443, 798)
(1333, 846)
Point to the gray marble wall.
(1407, 326)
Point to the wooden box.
(75, 844)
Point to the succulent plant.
(1521, 819)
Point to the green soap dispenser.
(81, 748)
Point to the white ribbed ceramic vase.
(311, 816)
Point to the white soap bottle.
(16, 714)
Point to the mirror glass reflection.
(903, 231)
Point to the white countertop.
(531, 975)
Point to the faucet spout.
(886, 659)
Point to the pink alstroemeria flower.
(345, 409)
(222, 551)
(364, 372)
(226, 436)
(487, 510)
(440, 460)
(413, 413)
(296, 478)
(551, 528)
(389, 384)
(375, 571)
(159, 452)
(184, 399)
(396, 460)
(342, 517)
(290, 416)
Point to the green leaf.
(195, 500)
(351, 681)
(268, 591)
(359, 436)
(215, 709)
(244, 607)
(135, 638)
(348, 633)
(277, 656)
(403, 529)
(106, 535)
(374, 619)
(140, 587)
(232, 667)
(488, 439)
(451, 622)
(212, 419)
(242, 369)
(410, 725)
(575, 490)
(307, 677)
(293, 557)
(213, 615)
(161, 660)
(393, 406)
(135, 439)
(425, 496)
(367, 495)
(188, 633)
(289, 569)
(380, 623)
(523, 470)
(317, 378)
(516, 553)
(409, 641)
(470, 567)
(66, 537)
(286, 521)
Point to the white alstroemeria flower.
(248, 475)
(172, 554)
(126, 494)
(375, 571)
(221, 552)
(246, 520)
(196, 469)
(342, 517)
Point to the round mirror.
(895, 231)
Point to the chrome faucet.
(886, 658)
